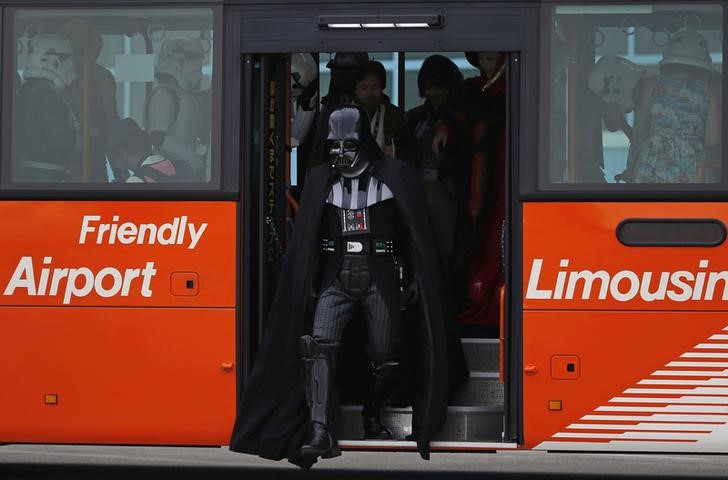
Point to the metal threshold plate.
(435, 446)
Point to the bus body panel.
(118, 253)
(117, 375)
(642, 381)
(611, 370)
(566, 242)
(108, 336)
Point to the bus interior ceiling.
(464, 185)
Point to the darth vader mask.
(350, 143)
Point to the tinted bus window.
(634, 95)
(119, 96)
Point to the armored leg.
(385, 376)
(382, 351)
(318, 360)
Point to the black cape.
(273, 416)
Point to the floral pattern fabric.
(674, 150)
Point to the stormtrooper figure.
(617, 82)
(47, 127)
(175, 112)
(304, 73)
(362, 240)
(614, 79)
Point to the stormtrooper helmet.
(50, 57)
(613, 78)
(350, 143)
(182, 58)
(303, 72)
(687, 48)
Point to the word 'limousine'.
(626, 285)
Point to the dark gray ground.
(84, 462)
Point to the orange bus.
(149, 171)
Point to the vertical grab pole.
(262, 228)
(401, 73)
(572, 96)
(502, 335)
(86, 109)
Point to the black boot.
(385, 375)
(320, 443)
(319, 375)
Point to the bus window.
(634, 94)
(112, 96)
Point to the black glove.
(411, 294)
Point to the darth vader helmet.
(350, 143)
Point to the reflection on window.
(120, 96)
(635, 94)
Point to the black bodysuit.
(361, 236)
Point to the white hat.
(687, 48)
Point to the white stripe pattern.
(696, 400)
(697, 364)
(655, 417)
(704, 355)
(668, 408)
(664, 412)
(692, 373)
(642, 426)
(639, 435)
(710, 381)
(678, 391)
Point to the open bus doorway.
(465, 182)
(464, 176)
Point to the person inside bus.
(304, 92)
(484, 105)
(444, 171)
(677, 117)
(372, 251)
(305, 99)
(388, 123)
(92, 94)
(132, 152)
(176, 113)
(47, 132)
(346, 68)
(617, 82)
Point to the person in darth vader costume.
(362, 240)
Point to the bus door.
(484, 412)
(624, 268)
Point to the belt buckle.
(354, 247)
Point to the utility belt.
(359, 246)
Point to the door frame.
(474, 26)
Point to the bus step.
(482, 354)
(482, 389)
(463, 424)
